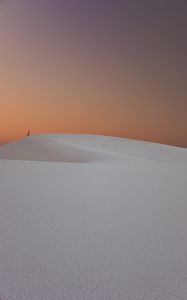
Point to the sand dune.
(53, 148)
(88, 148)
(99, 218)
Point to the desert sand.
(86, 217)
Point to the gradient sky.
(111, 67)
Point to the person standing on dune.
(28, 133)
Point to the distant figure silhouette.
(28, 133)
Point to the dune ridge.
(88, 148)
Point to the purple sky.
(112, 67)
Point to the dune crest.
(82, 148)
(53, 148)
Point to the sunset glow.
(103, 67)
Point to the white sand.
(92, 218)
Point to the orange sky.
(74, 76)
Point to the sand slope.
(88, 148)
(92, 217)
(53, 148)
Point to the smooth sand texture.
(54, 148)
(92, 217)
(88, 148)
